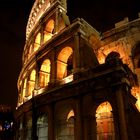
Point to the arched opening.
(70, 125)
(31, 83)
(37, 42)
(65, 126)
(70, 115)
(20, 132)
(42, 127)
(105, 122)
(70, 65)
(28, 129)
(64, 63)
(44, 74)
(112, 55)
(48, 31)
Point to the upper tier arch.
(37, 11)
(39, 8)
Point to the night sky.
(101, 14)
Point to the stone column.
(78, 121)
(51, 124)
(56, 27)
(35, 92)
(53, 72)
(34, 120)
(121, 113)
(42, 35)
(76, 54)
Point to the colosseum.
(75, 83)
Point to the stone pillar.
(51, 122)
(89, 127)
(76, 53)
(34, 121)
(37, 79)
(78, 121)
(56, 27)
(53, 72)
(121, 113)
(42, 35)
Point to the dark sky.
(101, 14)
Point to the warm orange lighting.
(31, 83)
(50, 26)
(105, 123)
(42, 1)
(30, 51)
(71, 114)
(47, 36)
(46, 66)
(67, 79)
(61, 70)
(48, 32)
(45, 73)
(118, 46)
(33, 75)
(62, 62)
(29, 97)
(37, 42)
(137, 71)
(24, 89)
(64, 54)
(103, 108)
(39, 91)
(38, 10)
(135, 91)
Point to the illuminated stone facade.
(76, 84)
